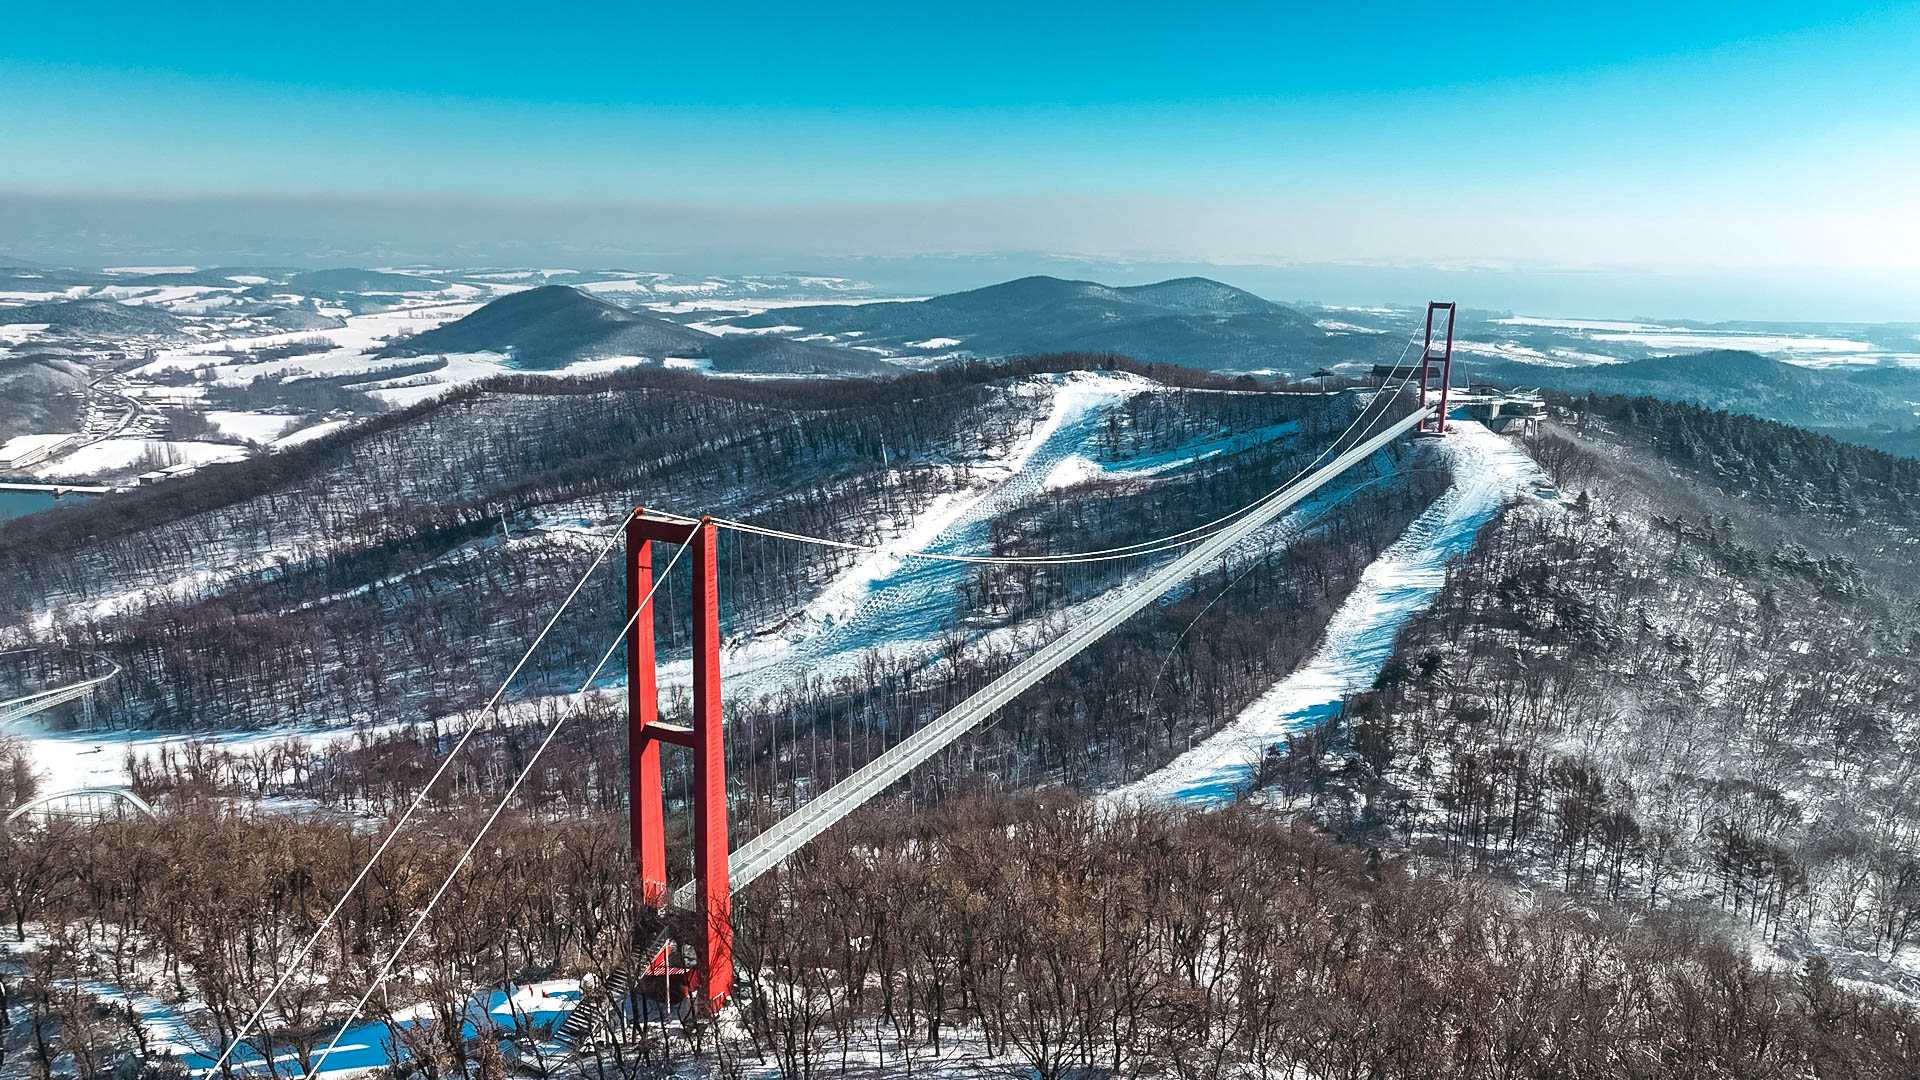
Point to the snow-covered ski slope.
(1488, 472)
(885, 600)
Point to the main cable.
(1139, 548)
(418, 800)
(420, 920)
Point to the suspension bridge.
(685, 932)
(39, 701)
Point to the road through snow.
(1488, 471)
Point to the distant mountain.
(553, 326)
(1203, 296)
(218, 276)
(92, 317)
(348, 280)
(1195, 322)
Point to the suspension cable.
(418, 800)
(466, 856)
(1144, 547)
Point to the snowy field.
(311, 432)
(65, 760)
(1810, 348)
(1488, 472)
(351, 347)
(255, 427)
(123, 455)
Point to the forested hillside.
(383, 578)
(1689, 687)
(321, 586)
(1634, 797)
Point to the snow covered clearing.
(1488, 472)
(64, 760)
(1075, 469)
(1582, 324)
(255, 427)
(722, 329)
(166, 296)
(311, 432)
(123, 455)
(460, 368)
(1507, 350)
(1078, 468)
(18, 333)
(353, 345)
(1697, 341)
(602, 365)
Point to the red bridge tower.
(713, 932)
(1445, 359)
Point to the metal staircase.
(575, 1033)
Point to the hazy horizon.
(1746, 162)
(98, 233)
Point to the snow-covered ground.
(311, 432)
(121, 455)
(255, 427)
(65, 760)
(352, 345)
(1488, 472)
(1808, 345)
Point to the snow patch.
(121, 455)
(251, 426)
(311, 432)
(1075, 469)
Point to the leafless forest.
(1633, 800)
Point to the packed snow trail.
(1488, 471)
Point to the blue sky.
(1677, 137)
